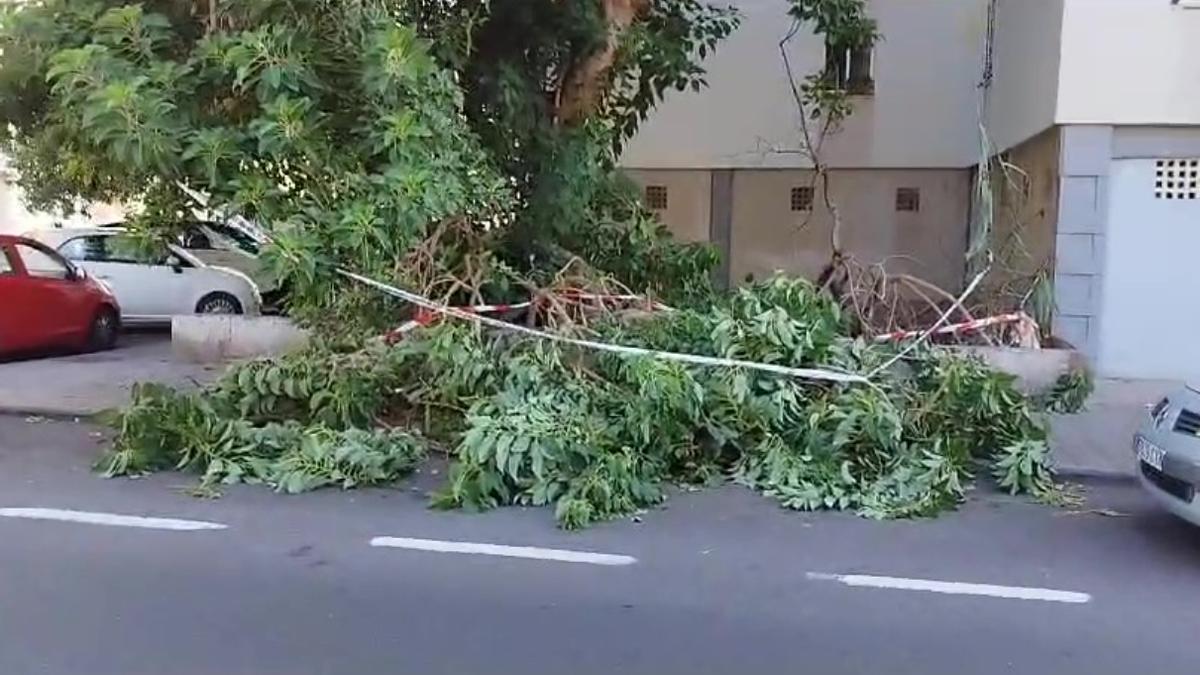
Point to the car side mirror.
(77, 274)
(175, 264)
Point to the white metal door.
(1149, 326)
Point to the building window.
(1176, 178)
(908, 199)
(656, 197)
(850, 68)
(802, 198)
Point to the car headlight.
(1158, 408)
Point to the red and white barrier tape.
(695, 359)
(426, 317)
(957, 328)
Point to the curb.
(49, 413)
(1097, 475)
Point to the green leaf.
(503, 443)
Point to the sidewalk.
(85, 384)
(1097, 441)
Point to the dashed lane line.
(529, 552)
(954, 588)
(111, 519)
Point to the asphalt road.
(719, 582)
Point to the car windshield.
(206, 235)
(242, 240)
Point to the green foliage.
(165, 429)
(339, 390)
(1070, 392)
(1026, 467)
(353, 129)
(597, 436)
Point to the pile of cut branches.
(599, 435)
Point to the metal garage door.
(1150, 305)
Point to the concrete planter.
(215, 338)
(1036, 370)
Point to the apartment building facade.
(1093, 104)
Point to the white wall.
(15, 218)
(1129, 62)
(923, 113)
(1025, 73)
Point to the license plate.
(1149, 452)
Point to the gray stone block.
(1076, 294)
(1079, 205)
(1086, 150)
(213, 338)
(1076, 330)
(1079, 254)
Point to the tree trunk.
(588, 79)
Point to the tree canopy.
(354, 129)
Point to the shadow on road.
(130, 337)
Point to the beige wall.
(923, 113)
(1025, 58)
(768, 236)
(1129, 62)
(689, 200)
(1119, 62)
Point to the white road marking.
(955, 588)
(113, 519)
(531, 552)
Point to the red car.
(46, 302)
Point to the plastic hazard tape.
(695, 359)
(426, 317)
(955, 329)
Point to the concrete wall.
(1025, 72)
(1026, 196)
(1145, 142)
(923, 112)
(1113, 62)
(1129, 62)
(215, 339)
(768, 236)
(689, 197)
(765, 235)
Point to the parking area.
(85, 384)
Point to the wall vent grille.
(1177, 178)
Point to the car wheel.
(105, 327)
(219, 303)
